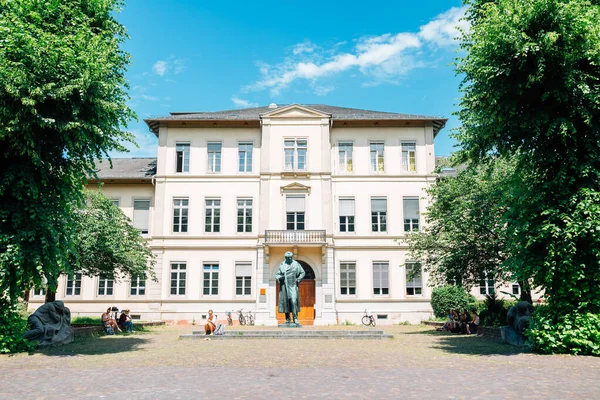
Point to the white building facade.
(230, 192)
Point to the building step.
(292, 334)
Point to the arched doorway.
(306, 291)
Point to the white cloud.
(382, 58)
(171, 65)
(243, 103)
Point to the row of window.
(295, 156)
(105, 287)
(295, 214)
(381, 287)
(210, 279)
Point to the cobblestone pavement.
(417, 363)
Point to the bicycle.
(241, 317)
(249, 318)
(229, 320)
(368, 319)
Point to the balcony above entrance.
(295, 237)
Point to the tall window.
(377, 162)
(243, 279)
(487, 285)
(414, 280)
(141, 215)
(245, 157)
(379, 215)
(411, 214)
(105, 285)
(212, 222)
(409, 156)
(180, 215)
(516, 289)
(346, 215)
(182, 155)
(211, 279)
(138, 285)
(348, 278)
(214, 156)
(380, 278)
(346, 156)
(244, 215)
(178, 277)
(295, 154)
(294, 213)
(73, 287)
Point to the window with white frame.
(214, 156)
(243, 279)
(211, 279)
(377, 160)
(73, 287)
(180, 215)
(487, 285)
(115, 202)
(379, 214)
(178, 278)
(295, 212)
(245, 157)
(295, 154)
(411, 213)
(516, 289)
(138, 285)
(182, 157)
(346, 215)
(409, 156)
(244, 215)
(212, 221)
(39, 291)
(414, 279)
(348, 278)
(380, 278)
(105, 285)
(141, 215)
(345, 154)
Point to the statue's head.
(288, 256)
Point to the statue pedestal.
(289, 325)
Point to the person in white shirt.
(474, 324)
(211, 323)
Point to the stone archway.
(307, 293)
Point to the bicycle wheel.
(250, 319)
(366, 320)
(242, 320)
(373, 321)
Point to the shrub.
(86, 321)
(575, 333)
(12, 328)
(450, 298)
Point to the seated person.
(455, 326)
(108, 320)
(125, 321)
(449, 325)
(463, 320)
(211, 323)
(474, 324)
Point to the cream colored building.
(230, 192)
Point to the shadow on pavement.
(470, 344)
(97, 345)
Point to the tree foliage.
(530, 90)
(465, 237)
(447, 298)
(62, 106)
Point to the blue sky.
(192, 55)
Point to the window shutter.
(243, 269)
(294, 204)
(141, 214)
(378, 205)
(346, 207)
(411, 208)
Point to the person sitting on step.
(211, 323)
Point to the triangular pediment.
(295, 111)
(295, 187)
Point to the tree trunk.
(526, 292)
(26, 298)
(50, 295)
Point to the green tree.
(465, 238)
(531, 82)
(62, 106)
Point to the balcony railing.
(291, 237)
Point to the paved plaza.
(418, 363)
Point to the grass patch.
(86, 321)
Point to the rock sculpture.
(518, 321)
(50, 324)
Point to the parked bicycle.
(241, 317)
(246, 318)
(250, 318)
(229, 320)
(368, 319)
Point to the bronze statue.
(50, 324)
(289, 274)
